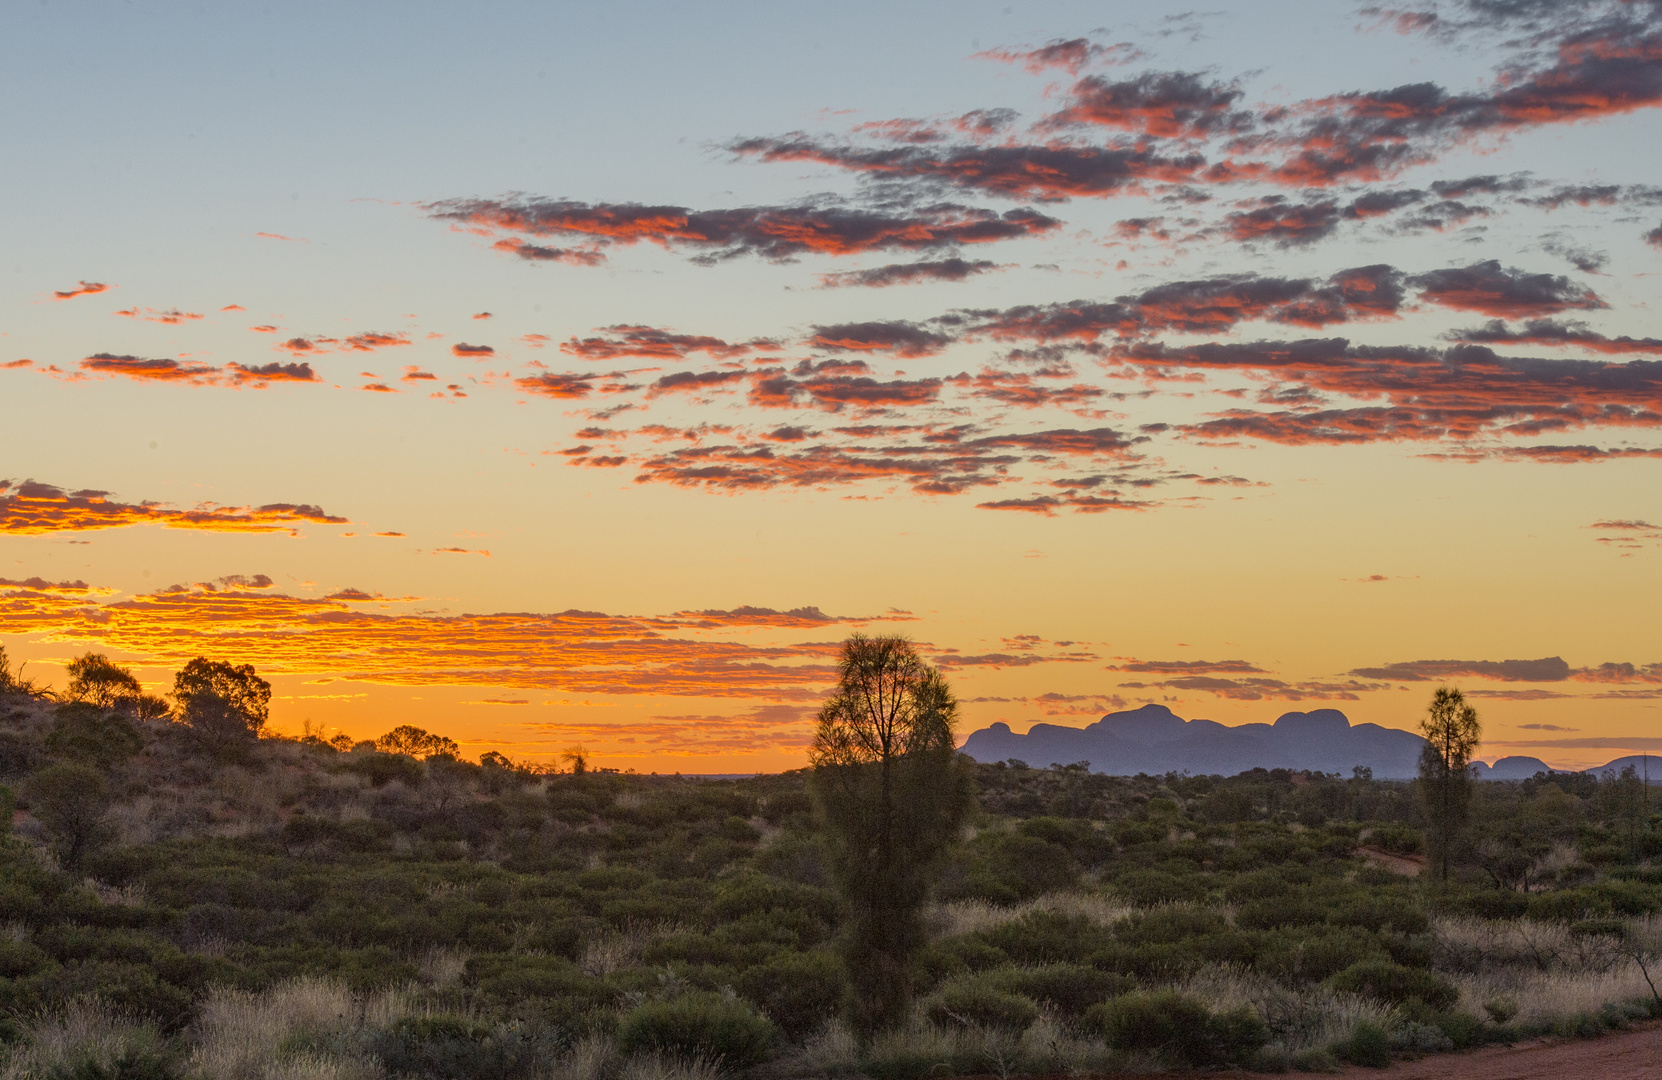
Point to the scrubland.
(272, 909)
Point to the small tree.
(1452, 733)
(96, 681)
(222, 699)
(891, 794)
(577, 758)
(73, 802)
(415, 742)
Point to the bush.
(1369, 1045)
(799, 991)
(1396, 985)
(708, 1026)
(1046, 937)
(1067, 989)
(1180, 1027)
(73, 802)
(973, 1003)
(451, 1048)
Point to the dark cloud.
(899, 338)
(953, 269)
(1547, 669)
(1014, 171)
(1505, 292)
(1069, 54)
(1167, 104)
(1654, 237)
(1553, 333)
(772, 232)
(1187, 667)
(658, 344)
(85, 288)
(1455, 393)
(1585, 259)
(1283, 223)
(29, 507)
(462, 348)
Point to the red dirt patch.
(1627, 1055)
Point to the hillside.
(280, 909)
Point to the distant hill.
(1155, 740)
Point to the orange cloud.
(86, 288)
(172, 316)
(30, 508)
(574, 651)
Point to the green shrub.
(1179, 1027)
(1066, 989)
(798, 991)
(1369, 1046)
(130, 1064)
(382, 769)
(1150, 887)
(1461, 1028)
(1390, 982)
(701, 1025)
(452, 1048)
(1046, 937)
(973, 1002)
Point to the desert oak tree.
(1452, 732)
(891, 795)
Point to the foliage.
(221, 699)
(73, 802)
(1176, 1025)
(972, 1002)
(891, 796)
(1369, 1045)
(699, 1025)
(99, 683)
(85, 733)
(448, 1047)
(1452, 734)
(417, 743)
(1397, 984)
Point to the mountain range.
(1155, 740)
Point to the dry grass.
(1298, 1020)
(87, 1031)
(968, 916)
(278, 1034)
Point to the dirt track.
(1627, 1055)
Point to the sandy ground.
(1627, 1055)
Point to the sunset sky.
(555, 374)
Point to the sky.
(553, 374)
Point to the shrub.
(1150, 887)
(712, 1027)
(799, 991)
(1369, 1045)
(1180, 1027)
(1397, 985)
(974, 1003)
(382, 769)
(1067, 989)
(1046, 937)
(73, 803)
(451, 1048)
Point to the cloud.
(571, 385)
(1258, 689)
(1283, 223)
(149, 370)
(953, 269)
(1047, 505)
(1187, 667)
(771, 232)
(658, 344)
(1546, 670)
(1654, 237)
(1056, 171)
(1456, 393)
(31, 508)
(1167, 104)
(85, 288)
(191, 373)
(462, 348)
(1554, 334)
(1504, 292)
(170, 317)
(897, 337)
(371, 340)
(1071, 55)
(574, 651)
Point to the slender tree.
(1452, 732)
(891, 795)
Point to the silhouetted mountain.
(1154, 740)
(1510, 768)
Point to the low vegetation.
(182, 901)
